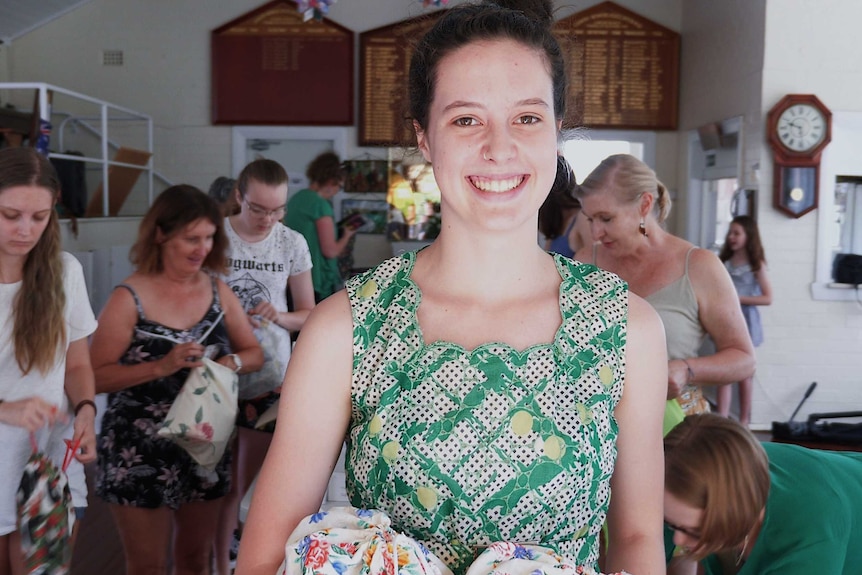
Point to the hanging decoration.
(317, 9)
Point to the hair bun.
(539, 10)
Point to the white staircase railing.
(108, 113)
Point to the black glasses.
(684, 530)
(262, 212)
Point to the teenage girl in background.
(743, 257)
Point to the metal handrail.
(45, 113)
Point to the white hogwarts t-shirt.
(15, 441)
(259, 271)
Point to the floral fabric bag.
(350, 541)
(45, 514)
(202, 417)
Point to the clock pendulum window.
(799, 128)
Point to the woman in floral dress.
(489, 391)
(156, 491)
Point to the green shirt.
(303, 211)
(813, 521)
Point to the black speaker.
(847, 269)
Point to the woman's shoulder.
(383, 274)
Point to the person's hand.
(85, 431)
(182, 356)
(31, 413)
(265, 310)
(350, 230)
(677, 377)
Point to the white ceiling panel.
(17, 17)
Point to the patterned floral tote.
(45, 513)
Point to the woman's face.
(736, 237)
(24, 215)
(684, 520)
(613, 223)
(262, 207)
(186, 250)
(492, 134)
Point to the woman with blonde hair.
(626, 207)
(744, 507)
(43, 343)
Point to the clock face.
(801, 127)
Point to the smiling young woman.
(456, 372)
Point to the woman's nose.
(499, 145)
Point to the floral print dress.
(464, 448)
(136, 466)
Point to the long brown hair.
(39, 331)
(753, 245)
(174, 209)
(715, 464)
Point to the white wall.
(811, 46)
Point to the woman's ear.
(422, 141)
(646, 203)
(160, 236)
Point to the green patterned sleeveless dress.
(464, 448)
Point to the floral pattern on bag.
(350, 541)
(202, 417)
(46, 517)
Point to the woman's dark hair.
(268, 172)
(39, 327)
(525, 21)
(173, 210)
(325, 168)
(753, 245)
(552, 213)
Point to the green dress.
(303, 210)
(464, 448)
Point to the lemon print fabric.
(462, 448)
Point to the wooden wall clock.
(799, 128)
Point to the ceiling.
(17, 17)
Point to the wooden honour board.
(270, 67)
(384, 65)
(623, 70)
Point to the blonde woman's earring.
(642, 228)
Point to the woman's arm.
(329, 246)
(313, 417)
(635, 537)
(721, 317)
(112, 338)
(239, 333)
(302, 293)
(765, 289)
(80, 385)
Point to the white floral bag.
(202, 417)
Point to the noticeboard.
(384, 64)
(271, 67)
(623, 70)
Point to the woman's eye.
(465, 122)
(528, 119)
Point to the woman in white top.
(264, 259)
(43, 340)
